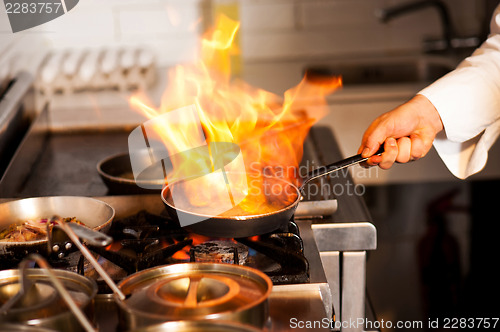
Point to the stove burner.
(222, 251)
(146, 240)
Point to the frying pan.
(94, 213)
(250, 225)
(116, 173)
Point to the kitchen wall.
(308, 28)
(277, 38)
(271, 30)
(170, 29)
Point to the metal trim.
(345, 236)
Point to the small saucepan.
(44, 298)
(238, 225)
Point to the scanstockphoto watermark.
(305, 168)
(311, 190)
(153, 157)
(26, 14)
(358, 324)
(341, 183)
(366, 324)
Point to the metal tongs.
(61, 237)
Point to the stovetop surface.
(52, 163)
(131, 205)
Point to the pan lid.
(199, 326)
(194, 290)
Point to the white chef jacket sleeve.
(468, 101)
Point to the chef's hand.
(407, 133)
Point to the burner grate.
(146, 240)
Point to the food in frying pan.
(29, 230)
(268, 196)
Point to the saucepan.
(93, 213)
(199, 326)
(46, 299)
(187, 291)
(236, 226)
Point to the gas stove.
(145, 240)
(316, 262)
(289, 257)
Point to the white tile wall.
(263, 16)
(298, 28)
(7, 38)
(169, 27)
(270, 29)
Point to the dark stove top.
(145, 240)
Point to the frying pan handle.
(59, 242)
(336, 166)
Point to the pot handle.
(26, 285)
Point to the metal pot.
(195, 291)
(46, 298)
(7, 327)
(188, 291)
(94, 213)
(199, 326)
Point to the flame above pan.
(268, 131)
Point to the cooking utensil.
(198, 326)
(8, 327)
(188, 291)
(250, 225)
(95, 214)
(41, 295)
(116, 173)
(195, 291)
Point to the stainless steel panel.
(331, 266)
(353, 291)
(293, 305)
(16, 112)
(345, 236)
(27, 154)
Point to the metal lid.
(194, 290)
(199, 326)
(42, 299)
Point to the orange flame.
(269, 130)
